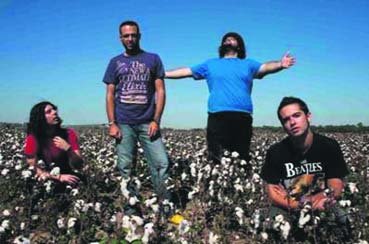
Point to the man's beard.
(227, 48)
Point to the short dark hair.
(291, 100)
(241, 53)
(131, 23)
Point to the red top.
(51, 154)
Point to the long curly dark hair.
(39, 127)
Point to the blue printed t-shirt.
(134, 78)
(229, 82)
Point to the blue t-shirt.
(134, 78)
(229, 82)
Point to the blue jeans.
(154, 151)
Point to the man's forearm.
(269, 68)
(178, 73)
(110, 104)
(160, 103)
(279, 197)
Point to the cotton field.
(223, 203)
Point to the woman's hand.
(67, 178)
(61, 143)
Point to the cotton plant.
(305, 215)
(130, 225)
(282, 225)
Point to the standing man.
(230, 79)
(305, 167)
(135, 99)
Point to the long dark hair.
(241, 51)
(38, 126)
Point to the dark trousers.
(229, 131)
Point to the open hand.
(287, 61)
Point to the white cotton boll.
(74, 192)
(5, 224)
(239, 214)
(60, 223)
(285, 229)
(256, 178)
(126, 223)
(148, 230)
(304, 217)
(207, 168)
(264, 236)
(6, 212)
(193, 170)
(133, 200)
(345, 203)
(97, 207)
(155, 208)
(256, 219)
(48, 185)
(279, 218)
(71, 222)
(18, 167)
(137, 182)
(21, 240)
(137, 220)
(215, 171)
(193, 192)
(140, 150)
(184, 227)
(2, 230)
(113, 219)
(235, 154)
(55, 171)
(183, 176)
(123, 187)
(362, 242)
(352, 187)
(86, 207)
(26, 174)
(4, 172)
(248, 186)
(34, 217)
(316, 220)
(151, 201)
(199, 177)
(213, 238)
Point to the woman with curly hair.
(56, 146)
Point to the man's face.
(294, 121)
(230, 41)
(129, 37)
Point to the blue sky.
(59, 50)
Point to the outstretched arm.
(275, 66)
(178, 73)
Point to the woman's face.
(51, 115)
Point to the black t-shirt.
(305, 173)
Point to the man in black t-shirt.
(305, 167)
